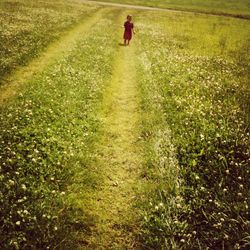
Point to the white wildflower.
(24, 187)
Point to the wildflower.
(18, 223)
(239, 194)
(24, 187)
(55, 228)
(178, 205)
(237, 246)
(227, 171)
(11, 182)
(217, 203)
(15, 244)
(182, 240)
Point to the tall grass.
(195, 85)
(23, 25)
(46, 138)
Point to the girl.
(129, 28)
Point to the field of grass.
(239, 8)
(195, 95)
(45, 138)
(23, 25)
(104, 132)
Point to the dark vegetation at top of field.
(238, 9)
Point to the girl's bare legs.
(126, 42)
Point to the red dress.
(128, 30)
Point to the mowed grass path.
(117, 161)
(119, 157)
(52, 53)
(114, 218)
(92, 127)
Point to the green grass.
(23, 26)
(239, 8)
(195, 97)
(192, 72)
(46, 136)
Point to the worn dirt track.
(138, 7)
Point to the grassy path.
(53, 52)
(110, 204)
(119, 158)
(63, 112)
(101, 134)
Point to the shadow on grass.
(122, 44)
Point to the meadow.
(190, 79)
(240, 8)
(45, 136)
(23, 26)
(195, 95)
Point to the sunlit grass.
(193, 73)
(23, 25)
(46, 136)
(195, 95)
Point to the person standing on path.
(129, 29)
